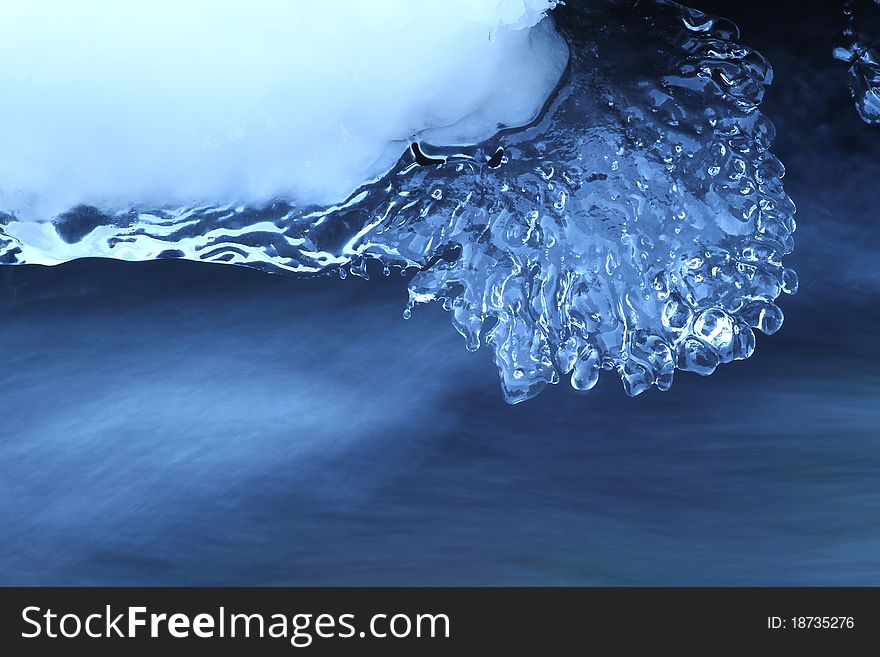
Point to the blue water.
(181, 423)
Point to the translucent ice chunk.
(863, 54)
(639, 225)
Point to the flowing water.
(174, 422)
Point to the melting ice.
(862, 33)
(637, 223)
(159, 102)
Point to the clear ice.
(638, 225)
(862, 53)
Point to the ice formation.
(158, 102)
(638, 225)
(862, 33)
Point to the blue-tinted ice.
(862, 33)
(638, 226)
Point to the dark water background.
(179, 423)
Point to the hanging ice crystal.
(639, 225)
(862, 33)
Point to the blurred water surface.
(179, 423)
